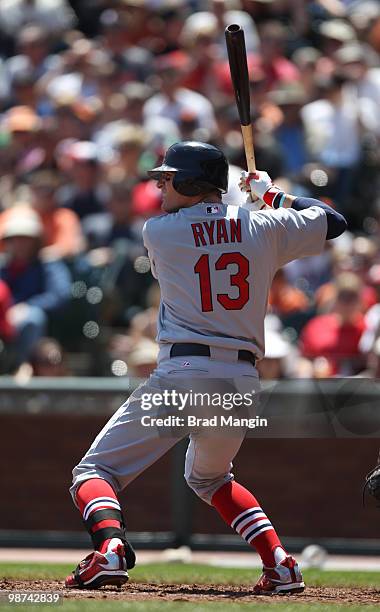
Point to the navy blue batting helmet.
(198, 167)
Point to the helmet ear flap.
(186, 187)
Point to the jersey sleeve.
(296, 234)
(149, 247)
(145, 235)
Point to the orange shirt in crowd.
(284, 298)
(62, 229)
(287, 300)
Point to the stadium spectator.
(136, 95)
(83, 194)
(115, 223)
(129, 144)
(172, 99)
(199, 38)
(277, 352)
(63, 237)
(54, 15)
(38, 288)
(142, 360)
(358, 64)
(284, 298)
(290, 133)
(48, 359)
(134, 61)
(144, 324)
(335, 33)
(372, 316)
(272, 60)
(359, 261)
(24, 154)
(310, 65)
(33, 46)
(333, 132)
(229, 12)
(336, 335)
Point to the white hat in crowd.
(25, 224)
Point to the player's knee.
(206, 487)
(81, 474)
(73, 490)
(87, 471)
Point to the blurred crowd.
(92, 92)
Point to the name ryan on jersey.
(217, 231)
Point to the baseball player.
(214, 264)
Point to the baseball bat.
(237, 57)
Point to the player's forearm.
(336, 223)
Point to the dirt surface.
(195, 592)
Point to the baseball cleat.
(284, 578)
(100, 569)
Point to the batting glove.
(254, 204)
(260, 185)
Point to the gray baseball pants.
(124, 448)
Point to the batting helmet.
(198, 167)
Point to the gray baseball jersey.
(215, 264)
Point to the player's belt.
(189, 349)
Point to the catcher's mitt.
(372, 484)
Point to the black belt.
(202, 350)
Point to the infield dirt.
(134, 591)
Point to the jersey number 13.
(239, 280)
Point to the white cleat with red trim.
(284, 578)
(100, 569)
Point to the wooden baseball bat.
(237, 57)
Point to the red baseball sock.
(94, 495)
(241, 510)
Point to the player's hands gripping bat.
(255, 185)
(260, 184)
